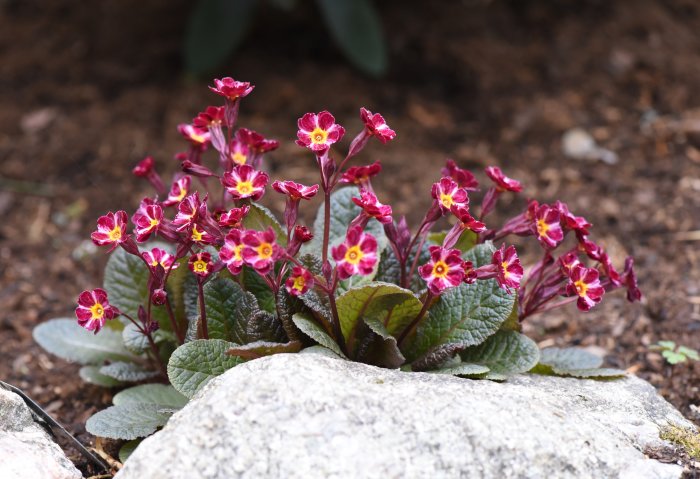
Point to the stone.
(308, 416)
(26, 449)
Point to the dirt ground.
(88, 89)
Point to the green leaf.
(690, 353)
(127, 449)
(467, 240)
(673, 357)
(343, 211)
(392, 306)
(309, 327)
(388, 270)
(438, 357)
(465, 315)
(126, 281)
(381, 349)
(317, 349)
(464, 370)
(134, 340)
(253, 283)
(66, 339)
(127, 421)
(92, 375)
(128, 372)
(260, 218)
(667, 344)
(259, 349)
(505, 353)
(573, 362)
(178, 281)
(356, 27)
(233, 314)
(193, 364)
(162, 394)
(214, 31)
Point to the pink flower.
(302, 234)
(198, 137)
(503, 183)
(231, 89)
(464, 178)
(233, 217)
(360, 175)
(201, 264)
(260, 250)
(157, 257)
(199, 235)
(187, 211)
(568, 262)
(447, 193)
(575, 223)
(213, 115)
(444, 270)
(547, 226)
(318, 132)
(245, 182)
(144, 168)
(372, 208)
(231, 252)
(178, 191)
(295, 191)
(255, 141)
(357, 255)
(299, 282)
(111, 230)
(376, 126)
(238, 152)
(466, 219)
(509, 270)
(147, 220)
(630, 280)
(94, 309)
(584, 283)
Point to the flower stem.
(173, 321)
(204, 329)
(426, 305)
(326, 222)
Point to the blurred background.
(595, 103)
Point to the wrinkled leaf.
(438, 357)
(505, 353)
(573, 362)
(309, 327)
(260, 218)
(66, 339)
(464, 370)
(465, 315)
(253, 283)
(128, 421)
(92, 375)
(134, 340)
(215, 29)
(356, 27)
(162, 394)
(128, 372)
(381, 349)
(389, 269)
(194, 364)
(259, 349)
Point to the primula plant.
(206, 278)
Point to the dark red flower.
(147, 220)
(231, 252)
(360, 175)
(160, 257)
(295, 191)
(94, 309)
(199, 235)
(255, 141)
(233, 217)
(447, 193)
(630, 279)
(213, 115)
(201, 264)
(178, 191)
(243, 181)
(231, 89)
(376, 126)
(356, 255)
(466, 220)
(372, 208)
(503, 183)
(111, 230)
(509, 269)
(575, 223)
(260, 251)
(444, 270)
(464, 178)
(187, 211)
(238, 152)
(144, 168)
(568, 261)
(547, 226)
(318, 131)
(198, 137)
(585, 283)
(299, 282)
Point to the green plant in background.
(217, 27)
(675, 354)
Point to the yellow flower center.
(542, 227)
(354, 255)
(97, 311)
(154, 222)
(318, 136)
(181, 195)
(440, 269)
(199, 266)
(299, 283)
(197, 138)
(265, 251)
(115, 234)
(239, 158)
(581, 287)
(244, 187)
(196, 234)
(504, 268)
(446, 200)
(237, 256)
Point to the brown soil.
(88, 89)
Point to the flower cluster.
(211, 221)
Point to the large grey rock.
(309, 416)
(26, 449)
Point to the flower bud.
(159, 297)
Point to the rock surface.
(310, 416)
(26, 449)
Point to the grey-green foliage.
(465, 315)
(573, 362)
(127, 421)
(505, 353)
